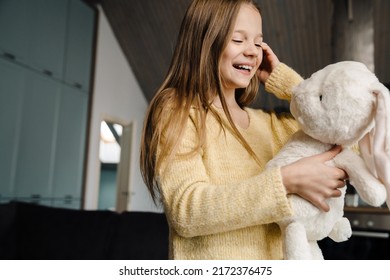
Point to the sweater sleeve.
(194, 206)
(283, 126)
(281, 81)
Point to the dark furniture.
(29, 231)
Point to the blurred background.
(305, 34)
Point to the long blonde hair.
(193, 80)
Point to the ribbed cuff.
(281, 193)
(281, 81)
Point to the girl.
(204, 151)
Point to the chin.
(242, 84)
(238, 83)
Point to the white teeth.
(245, 67)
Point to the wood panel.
(299, 31)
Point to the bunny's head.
(336, 105)
(344, 103)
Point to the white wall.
(117, 97)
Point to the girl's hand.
(270, 62)
(313, 180)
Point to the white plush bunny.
(343, 104)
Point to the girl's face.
(243, 53)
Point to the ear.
(381, 149)
(375, 145)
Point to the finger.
(269, 54)
(341, 184)
(341, 175)
(265, 46)
(336, 193)
(322, 205)
(319, 201)
(330, 154)
(266, 50)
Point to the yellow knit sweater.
(219, 203)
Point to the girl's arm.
(195, 206)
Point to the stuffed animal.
(342, 104)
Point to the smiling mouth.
(243, 67)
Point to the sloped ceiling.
(299, 31)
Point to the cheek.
(226, 60)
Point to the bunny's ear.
(375, 145)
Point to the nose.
(252, 50)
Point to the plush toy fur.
(343, 104)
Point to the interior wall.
(118, 97)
